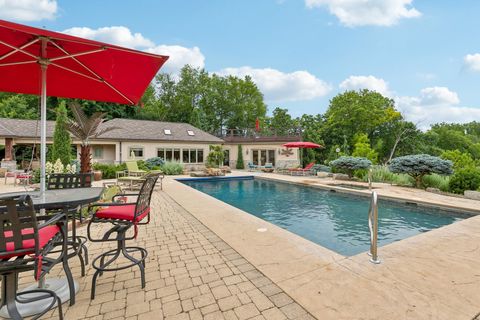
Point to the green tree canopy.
(363, 149)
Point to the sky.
(423, 54)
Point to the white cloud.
(118, 35)
(28, 10)
(366, 82)
(434, 105)
(472, 61)
(122, 36)
(438, 95)
(367, 12)
(179, 57)
(278, 86)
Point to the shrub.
(155, 162)
(62, 142)
(109, 171)
(172, 168)
(240, 164)
(383, 175)
(419, 165)
(464, 179)
(350, 164)
(436, 181)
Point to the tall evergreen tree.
(62, 142)
(240, 164)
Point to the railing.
(373, 226)
(250, 132)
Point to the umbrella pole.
(43, 119)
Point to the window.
(176, 155)
(136, 152)
(161, 153)
(190, 133)
(167, 131)
(185, 156)
(98, 152)
(192, 155)
(169, 154)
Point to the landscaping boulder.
(474, 195)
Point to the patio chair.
(24, 246)
(251, 166)
(122, 216)
(302, 171)
(69, 181)
(133, 170)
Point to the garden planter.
(97, 175)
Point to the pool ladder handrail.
(373, 226)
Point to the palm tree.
(86, 128)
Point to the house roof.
(127, 129)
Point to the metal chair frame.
(120, 228)
(17, 214)
(69, 181)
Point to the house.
(143, 139)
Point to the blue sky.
(301, 53)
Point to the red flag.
(257, 125)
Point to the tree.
(354, 112)
(419, 165)
(240, 164)
(62, 142)
(215, 156)
(350, 164)
(460, 160)
(18, 107)
(86, 128)
(363, 149)
(281, 122)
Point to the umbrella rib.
(76, 72)
(18, 49)
(92, 72)
(17, 63)
(75, 54)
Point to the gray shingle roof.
(128, 129)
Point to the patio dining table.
(64, 199)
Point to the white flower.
(58, 167)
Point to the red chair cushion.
(125, 212)
(44, 236)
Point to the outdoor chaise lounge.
(302, 171)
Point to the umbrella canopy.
(302, 144)
(77, 68)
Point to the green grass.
(382, 174)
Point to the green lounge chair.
(133, 170)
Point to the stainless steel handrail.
(373, 226)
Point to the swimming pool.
(336, 221)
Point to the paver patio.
(191, 274)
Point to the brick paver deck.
(191, 274)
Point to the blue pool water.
(336, 221)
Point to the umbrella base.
(57, 285)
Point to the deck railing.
(294, 134)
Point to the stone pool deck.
(207, 260)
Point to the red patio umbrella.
(302, 145)
(76, 68)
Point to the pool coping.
(301, 268)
